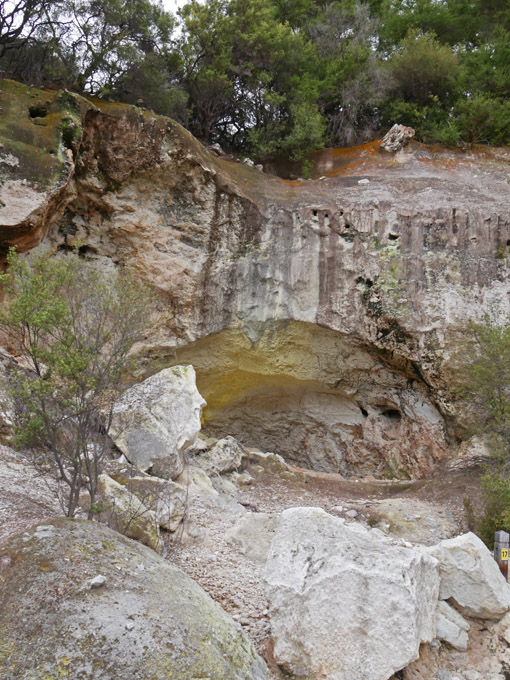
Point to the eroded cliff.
(318, 314)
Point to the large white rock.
(470, 576)
(343, 605)
(156, 420)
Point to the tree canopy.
(275, 78)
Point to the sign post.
(501, 551)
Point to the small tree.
(482, 372)
(483, 380)
(73, 327)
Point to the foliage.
(482, 376)
(423, 68)
(483, 381)
(20, 20)
(484, 119)
(73, 328)
(279, 77)
(496, 500)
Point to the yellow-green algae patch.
(33, 128)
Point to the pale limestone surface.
(470, 576)
(165, 498)
(224, 456)
(157, 419)
(196, 481)
(451, 627)
(330, 589)
(252, 535)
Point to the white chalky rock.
(154, 421)
(470, 576)
(344, 605)
(225, 456)
(451, 627)
(97, 581)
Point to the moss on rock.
(34, 131)
(147, 621)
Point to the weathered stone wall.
(318, 314)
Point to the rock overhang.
(397, 265)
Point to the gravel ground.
(229, 566)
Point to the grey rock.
(178, 633)
(165, 498)
(124, 512)
(97, 581)
(224, 456)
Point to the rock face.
(39, 136)
(451, 627)
(326, 583)
(143, 620)
(471, 577)
(318, 315)
(156, 420)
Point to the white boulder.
(225, 456)
(156, 420)
(451, 627)
(471, 577)
(125, 513)
(343, 605)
